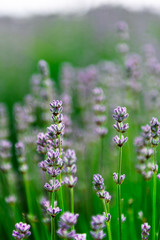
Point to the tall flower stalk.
(98, 183)
(70, 170)
(155, 131)
(120, 114)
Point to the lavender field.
(80, 127)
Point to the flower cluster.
(98, 183)
(145, 228)
(66, 223)
(155, 132)
(119, 180)
(144, 147)
(70, 168)
(120, 114)
(22, 231)
(99, 110)
(97, 225)
(50, 143)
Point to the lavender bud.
(70, 158)
(41, 142)
(53, 172)
(120, 180)
(43, 165)
(120, 127)
(22, 231)
(120, 142)
(79, 236)
(98, 182)
(53, 211)
(120, 114)
(145, 228)
(70, 181)
(56, 107)
(108, 217)
(48, 187)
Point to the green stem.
(107, 223)
(29, 203)
(72, 203)
(119, 192)
(61, 190)
(154, 199)
(52, 219)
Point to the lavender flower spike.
(79, 236)
(120, 114)
(120, 141)
(22, 231)
(145, 228)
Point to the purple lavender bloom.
(97, 225)
(54, 130)
(79, 236)
(17, 235)
(22, 227)
(56, 107)
(145, 228)
(98, 182)
(70, 170)
(120, 127)
(41, 143)
(53, 172)
(44, 203)
(104, 195)
(22, 231)
(64, 233)
(67, 220)
(48, 187)
(58, 118)
(43, 165)
(98, 235)
(70, 158)
(70, 181)
(53, 211)
(120, 141)
(120, 114)
(98, 221)
(56, 184)
(155, 131)
(120, 180)
(53, 155)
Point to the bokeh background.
(81, 37)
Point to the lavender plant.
(120, 115)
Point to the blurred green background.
(80, 39)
